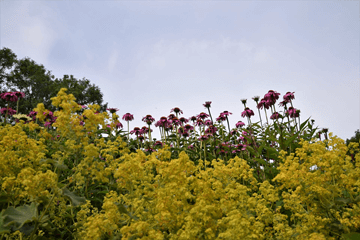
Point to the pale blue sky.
(148, 57)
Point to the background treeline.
(39, 85)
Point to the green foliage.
(39, 85)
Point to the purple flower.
(221, 118)
(289, 96)
(193, 118)
(171, 116)
(112, 110)
(263, 103)
(199, 122)
(191, 147)
(275, 116)
(128, 117)
(283, 103)
(271, 97)
(208, 123)
(247, 113)
(137, 131)
(47, 124)
(183, 120)
(12, 96)
(204, 137)
(145, 129)
(207, 104)
(211, 130)
(292, 112)
(118, 125)
(148, 119)
(176, 110)
(225, 113)
(188, 127)
(10, 111)
(175, 121)
(202, 115)
(239, 124)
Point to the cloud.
(32, 30)
(112, 60)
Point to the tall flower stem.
(260, 117)
(267, 120)
(228, 123)
(210, 115)
(128, 132)
(149, 133)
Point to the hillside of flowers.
(78, 173)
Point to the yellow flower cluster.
(151, 196)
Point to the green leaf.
(3, 229)
(122, 209)
(20, 215)
(75, 200)
(351, 236)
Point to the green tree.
(39, 85)
(355, 138)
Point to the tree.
(355, 138)
(39, 85)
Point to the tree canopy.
(39, 85)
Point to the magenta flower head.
(188, 127)
(225, 113)
(193, 118)
(9, 96)
(239, 124)
(211, 130)
(183, 120)
(293, 112)
(148, 119)
(204, 137)
(271, 97)
(176, 121)
(176, 110)
(208, 122)
(10, 111)
(163, 120)
(128, 117)
(263, 103)
(221, 118)
(275, 116)
(207, 104)
(199, 122)
(171, 116)
(202, 115)
(118, 125)
(112, 110)
(137, 131)
(289, 96)
(247, 113)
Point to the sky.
(148, 57)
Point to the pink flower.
(118, 125)
(247, 113)
(221, 118)
(128, 117)
(183, 120)
(47, 124)
(158, 143)
(137, 131)
(202, 115)
(204, 137)
(148, 119)
(176, 110)
(239, 124)
(271, 97)
(171, 116)
(175, 121)
(207, 104)
(275, 116)
(263, 103)
(10, 111)
(208, 123)
(225, 113)
(193, 118)
(9, 96)
(188, 127)
(112, 110)
(199, 122)
(211, 130)
(289, 96)
(292, 112)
